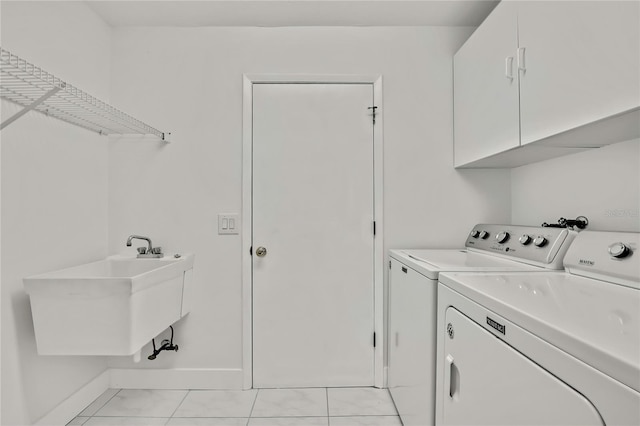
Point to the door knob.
(261, 252)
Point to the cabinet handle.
(521, 65)
(508, 67)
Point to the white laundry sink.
(110, 307)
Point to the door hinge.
(389, 264)
(251, 251)
(374, 339)
(374, 228)
(373, 110)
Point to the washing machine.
(413, 287)
(551, 348)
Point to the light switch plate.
(228, 223)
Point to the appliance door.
(487, 382)
(412, 342)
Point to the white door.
(485, 99)
(313, 317)
(487, 382)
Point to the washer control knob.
(484, 235)
(475, 233)
(619, 250)
(502, 237)
(539, 241)
(525, 239)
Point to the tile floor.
(256, 407)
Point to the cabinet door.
(487, 382)
(485, 97)
(582, 63)
(412, 343)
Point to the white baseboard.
(385, 377)
(179, 378)
(70, 407)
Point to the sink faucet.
(140, 237)
(155, 252)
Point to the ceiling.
(278, 13)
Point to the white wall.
(602, 184)
(54, 197)
(189, 82)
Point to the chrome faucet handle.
(142, 250)
(156, 250)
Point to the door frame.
(247, 230)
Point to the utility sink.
(110, 307)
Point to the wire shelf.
(35, 89)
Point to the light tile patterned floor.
(263, 407)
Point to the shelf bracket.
(32, 106)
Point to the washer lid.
(595, 321)
(430, 262)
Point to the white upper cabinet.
(576, 81)
(486, 88)
(582, 64)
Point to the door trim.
(247, 176)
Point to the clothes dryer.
(553, 348)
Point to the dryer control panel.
(540, 246)
(607, 256)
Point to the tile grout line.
(275, 417)
(179, 405)
(255, 399)
(328, 416)
(132, 417)
(102, 406)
